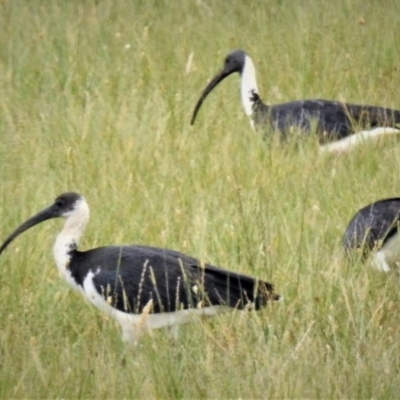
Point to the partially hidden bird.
(336, 123)
(373, 232)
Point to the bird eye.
(59, 202)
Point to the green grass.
(96, 97)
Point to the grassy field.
(96, 97)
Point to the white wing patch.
(347, 144)
(388, 257)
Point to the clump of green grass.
(97, 98)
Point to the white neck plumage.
(248, 87)
(67, 240)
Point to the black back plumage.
(372, 226)
(331, 120)
(128, 277)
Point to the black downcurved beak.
(47, 213)
(214, 82)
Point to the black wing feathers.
(334, 120)
(129, 277)
(372, 225)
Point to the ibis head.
(234, 62)
(64, 206)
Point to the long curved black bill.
(214, 82)
(43, 215)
